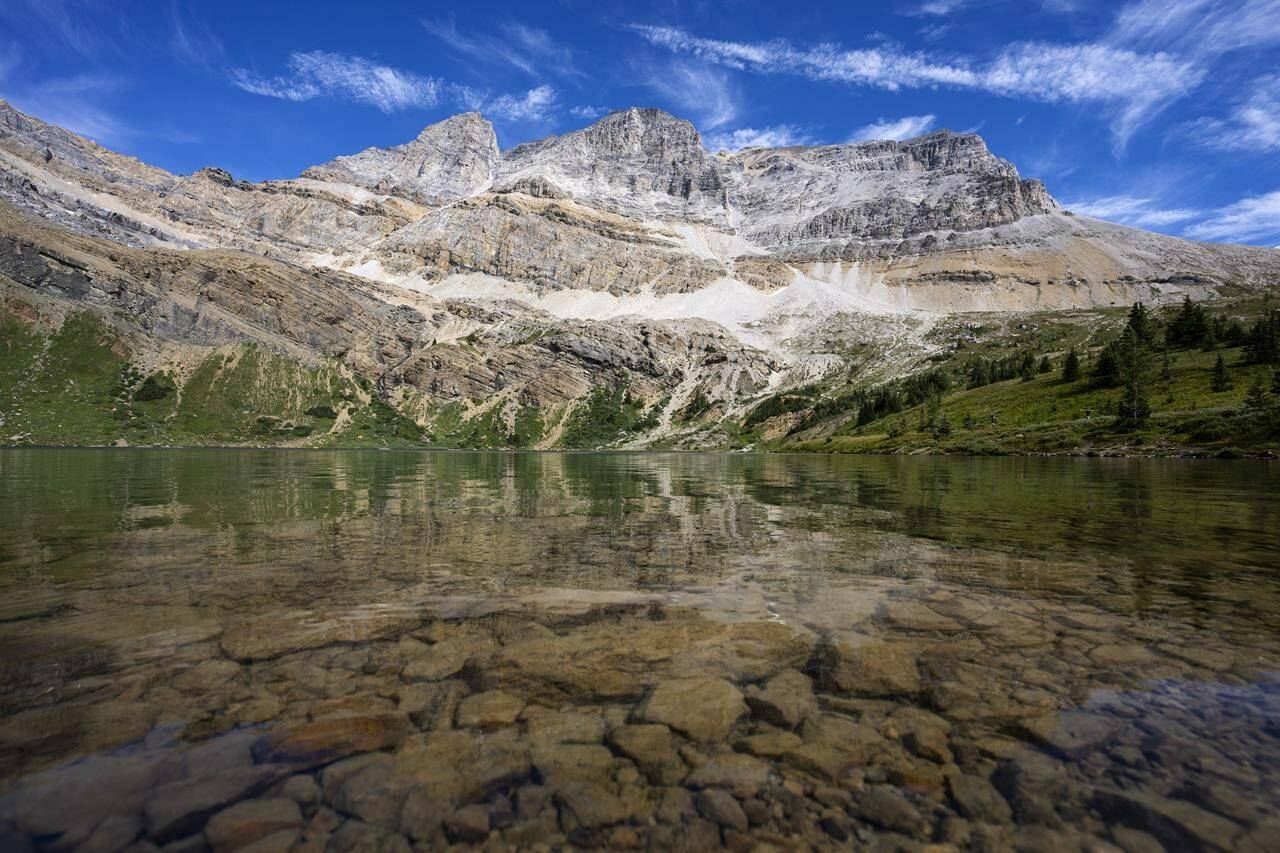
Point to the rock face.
(637, 161)
(809, 201)
(454, 158)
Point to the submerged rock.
(331, 738)
(868, 667)
(705, 709)
(272, 636)
(251, 820)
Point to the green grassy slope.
(1047, 415)
(79, 383)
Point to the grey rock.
(1176, 823)
(719, 806)
(977, 799)
(248, 821)
(469, 823)
(181, 808)
(887, 807)
(785, 701)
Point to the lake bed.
(382, 650)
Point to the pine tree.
(1071, 367)
(1257, 397)
(1210, 342)
(1142, 325)
(1263, 343)
(1045, 365)
(1221, 380)
(1106, 370)
(1134, 367)
(1188, 327)
(1233, 336)
(1027, 367)
(1166, 368)
(942, 427)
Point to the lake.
(375, 650)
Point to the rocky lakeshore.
(744, 680)
(940, 720)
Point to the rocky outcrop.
(638, 161)
(454, 158)
(801, 200)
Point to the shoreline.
(1223, 454)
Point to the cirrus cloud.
(896, 129)
(319, 74)
(1133, 85)
(777, 136)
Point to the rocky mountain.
(451, 159)
(466, 282)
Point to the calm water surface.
(376, 650)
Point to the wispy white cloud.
(886, 66)
(699, 89)
(529, 49)
(76, 104)
(191, 41)
(588, 112)
(933, 32)
(533, 105)
(318, 73)
(938, 7)
(85, 27)
(777, 136)
(897, 128)
(1251, 220)
(1254, 124)
(1132, 84)
(10, 58)
(1198, 27)
(1132, 210)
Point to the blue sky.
(1160, 114)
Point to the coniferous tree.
(1045, 365)
(1221, 379)
(1134, 367)
(1257, 397)
(1166, 368)
(1188, 327)
(1106, 370)
(1143, 326)
(1210, 342)
(1233, 335)
(1027, 367)
(1071, 367)
(1262, 345)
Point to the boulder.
(868, 667)
(718, 806)
(490, 710)
(652, 748)
(977, 799)
(268, 637)
(328, 739)
(785, 700)
(181, 808)
(704, 709)
(250, 820)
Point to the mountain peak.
(452, 158)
